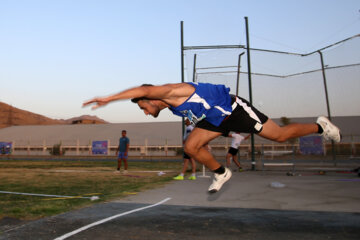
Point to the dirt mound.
(12, 116)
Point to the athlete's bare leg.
(274, 132)
(194, 146)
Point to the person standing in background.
(187, 158)
(122, 151)
(233, 150)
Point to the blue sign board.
(100, 147)
(5, 147)
(311, 145)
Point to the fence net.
(287, 85)
(290, 85)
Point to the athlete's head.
(149, 106)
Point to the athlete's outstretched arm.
(168, 93)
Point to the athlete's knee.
(191, 149)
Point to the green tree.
(56, 150)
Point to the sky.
(57, 54)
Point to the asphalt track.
(309, 206)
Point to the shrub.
(56, 150)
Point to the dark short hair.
(136, 100)
(123, 131)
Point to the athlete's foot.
(192, 177)
(330, 131)
(240, 169)
(178, 177)
(219, 180)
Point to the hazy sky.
(57, 54)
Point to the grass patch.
(72, 178)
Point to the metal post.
(327, 103)
(238, 74)
(325, 85)
(194, 69)
(182, 74)
(182, 50)
(250, 90)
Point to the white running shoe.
(330, 131)
(219, 180)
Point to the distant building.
(86, 121)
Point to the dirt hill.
(11, 116)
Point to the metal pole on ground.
(250, 91)
(238, 74)
(194, 69)
(182, 75)
(327, 103)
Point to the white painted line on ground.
(47, 195)
(108, 219)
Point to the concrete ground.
(252, 205)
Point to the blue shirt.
(123, 142)
(209, 101)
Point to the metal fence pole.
(327, 103)
(250, 91)
(238, 74)
(182, 74)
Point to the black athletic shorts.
(233, 151)
(244, 118)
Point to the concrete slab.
(307, 207)
(307, 192)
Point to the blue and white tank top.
(209, 101)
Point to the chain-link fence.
(298, 86)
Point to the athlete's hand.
(99, 102)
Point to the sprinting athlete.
(214, 112)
